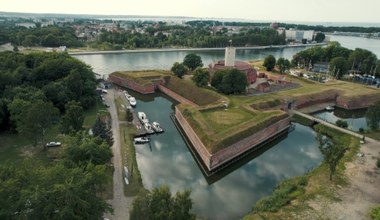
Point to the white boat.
(148, 128)
(126, 171)
(156, 127)
(141, 140)
(142, 117)
(329, 108)
(132, 101)
(126, 180)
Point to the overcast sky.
(269, 10)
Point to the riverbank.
(87, 52)
(350, 195)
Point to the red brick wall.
(358, 102)
(248, 143)
(213, 161)
(130, 84)
(194, 139)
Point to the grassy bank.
(290, 199)
(128, 153)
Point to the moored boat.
(148, 128)
(329, 108)
(156, 127)
(142, 117)
(126, 180)
(126, 171)
(131, 100)
(141, 140)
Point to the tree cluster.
(229, 81)
(102, 129)
(36, 88)
(65, 190)
(340, 59)
(201, 77)
(160, 204)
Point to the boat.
(329, 108)
(142, 117)
(126, 171)
(156, 127)
(141, 140)
(126, 180)
(148, 128)
(131, 100)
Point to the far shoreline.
(190, 49)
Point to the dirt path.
(120, 203)
(362, 193)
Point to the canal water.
(229, 194)
(354, 118)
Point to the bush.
(378, 163)
(361, 130)
(341, 123)
(375, 213)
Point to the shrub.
(378, 163)
(341, 123)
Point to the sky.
(257, 10)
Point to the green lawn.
(91, 114)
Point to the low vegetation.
(142, 77)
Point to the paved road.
(120, 203)
(333, 126)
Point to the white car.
(53, 144)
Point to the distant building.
(27, 25)
(321, 67)
(230, 63)
(298, 35)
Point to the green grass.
(128, 153)
(373, 134)
(121, 111)
(142, 77)
(91, 114)
(302, 120)
(190, 91)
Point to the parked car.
(53, 144)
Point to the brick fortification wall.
(363, 101)
(147, 88)
(175, 96)
(248, 143)
(194, 139)
(213, 161)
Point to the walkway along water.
(318, 120)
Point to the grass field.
(142, 77)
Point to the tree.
(52, 192)
(160, 204)
(179, 69)
(36, 120)
(331, 152)
(283, 64)
(72, 120)
(201, 77)
(100, 129)
(269, 62)
(373, 116)
(192, 61)
(319, 37)
(229, 81)
(83, 149)
(338, 66)
(363, 60)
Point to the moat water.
(231, 193)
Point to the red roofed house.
(231, 63)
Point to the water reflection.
(232, 194)
(354, 118)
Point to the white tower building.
(229, 57)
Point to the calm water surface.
(230, 194)
(354, 118)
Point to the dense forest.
(53, 79)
